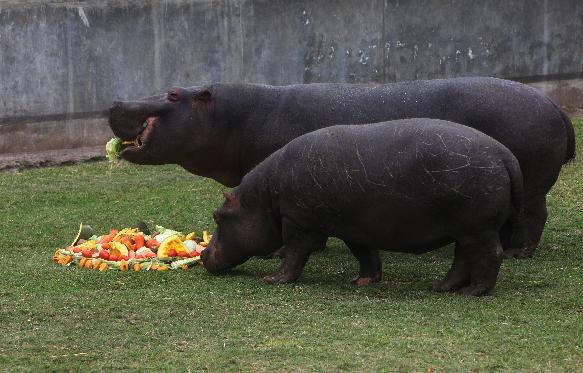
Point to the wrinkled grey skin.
(221, 131)
(410, 185)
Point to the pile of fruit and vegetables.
(130, 249)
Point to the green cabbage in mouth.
(113, 149)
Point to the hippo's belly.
(418, 238)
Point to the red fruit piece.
(114, 258)
(104, 254)
(76, 250)
(150, 255)
(139, 241)
(108, 238)
(86, 253)
(172, 253)
(183, 254)
(124, 257)
(194, 254)
(152, 244)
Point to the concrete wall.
(63, 62)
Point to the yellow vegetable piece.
(137, 267)
(96, 264)
(88, 245)
(123, 265)
(172, 242)
(191, 236)
(126, 232)
(82, 262)
(103, 266)
(118, 249)
(206, 237)
(56, 256)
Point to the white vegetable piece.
(190, 245)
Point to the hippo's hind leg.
(533, 224)
(370, 264)
(483, 254)
(458, 275)
(297, 246)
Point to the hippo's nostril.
(173, 94)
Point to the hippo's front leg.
(297, 247)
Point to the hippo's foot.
(280, 278)
(447, 285)
(518, 253)
(475, 290)
(363, 281)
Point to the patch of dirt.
(15, 162)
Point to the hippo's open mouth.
(142, 141)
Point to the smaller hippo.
(409, 185)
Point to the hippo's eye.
(173, 96)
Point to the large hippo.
(409, 185)
(222, 130)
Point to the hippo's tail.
(570, 155)
(516, 184)
(516, 219)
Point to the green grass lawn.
(58, 318)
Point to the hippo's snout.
(210, 262)
(214, 261)
(128, 118)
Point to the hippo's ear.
(230, 198)
(204, 95)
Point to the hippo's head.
(179, 127)
(242, 232)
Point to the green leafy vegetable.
(113, 149)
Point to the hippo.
(222, 131)
(410, 185)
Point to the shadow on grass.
(405, 276)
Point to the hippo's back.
(518, 116)
(395, 154)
